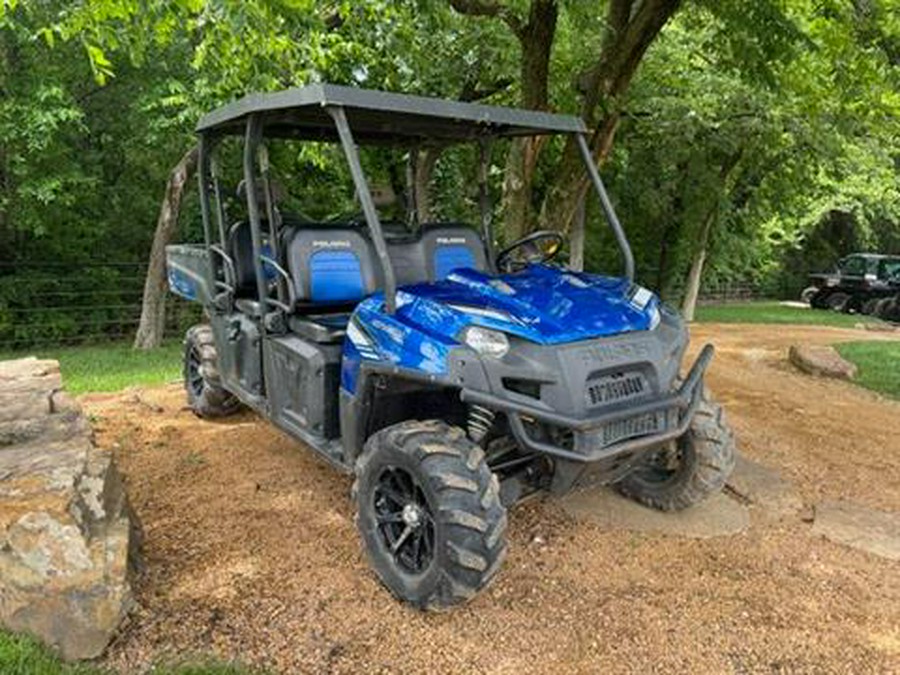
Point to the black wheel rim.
(664, 465)
(405, 520)
(194, 377)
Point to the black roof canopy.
(381, 116)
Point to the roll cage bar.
(348, 115)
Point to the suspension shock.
(480, 421)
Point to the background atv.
(858, 283)
(451, 380)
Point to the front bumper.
(675, 410)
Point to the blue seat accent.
(268, 271)
(450, 257)
(335, 276)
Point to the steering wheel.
(537, 247)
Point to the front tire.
(205, 394)
(429, 513)
(838, 302)
(691, 469)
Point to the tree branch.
(472, 92)
(491, 9)
(623, 48)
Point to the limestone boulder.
(67, 539)
(821, 360)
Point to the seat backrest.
(408, 261)
(449, 247)
(240, 248)
(331, 266)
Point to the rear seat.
(333, 268)
(240, 248)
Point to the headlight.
(486, 342)
(654, 318)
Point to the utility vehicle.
(858, 282)
(452, 380)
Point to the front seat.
(450, 247)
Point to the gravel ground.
(251, 553)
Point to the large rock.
(66, 536)
(821, 360)
(877, 532)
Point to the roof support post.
(368, 206)
(203, 175)
(220, 203)
(608, 209)
(484, 200)
(251, 143)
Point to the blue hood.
(542, 304)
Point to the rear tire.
(425, 485)
(205, 394)
(691, 469)
(868, 307)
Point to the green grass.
(878, 363)
(774, 313)
(110, 367)
(21, 655)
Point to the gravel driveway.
(251, 552)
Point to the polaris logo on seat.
(331, 244)
(452, 240)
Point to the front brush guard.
(684, 401)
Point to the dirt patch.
(251, 552)
(718, 516)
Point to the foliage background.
(775, 121)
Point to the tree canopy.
(737, 136)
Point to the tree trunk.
(692, 291)
(518, 212)
(153, 310)
(425, 163)
(631, 29)
(535, 34)
(536, 40)
(671, 233)
(576, 241)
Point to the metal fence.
(50, 304)
(731, 292)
